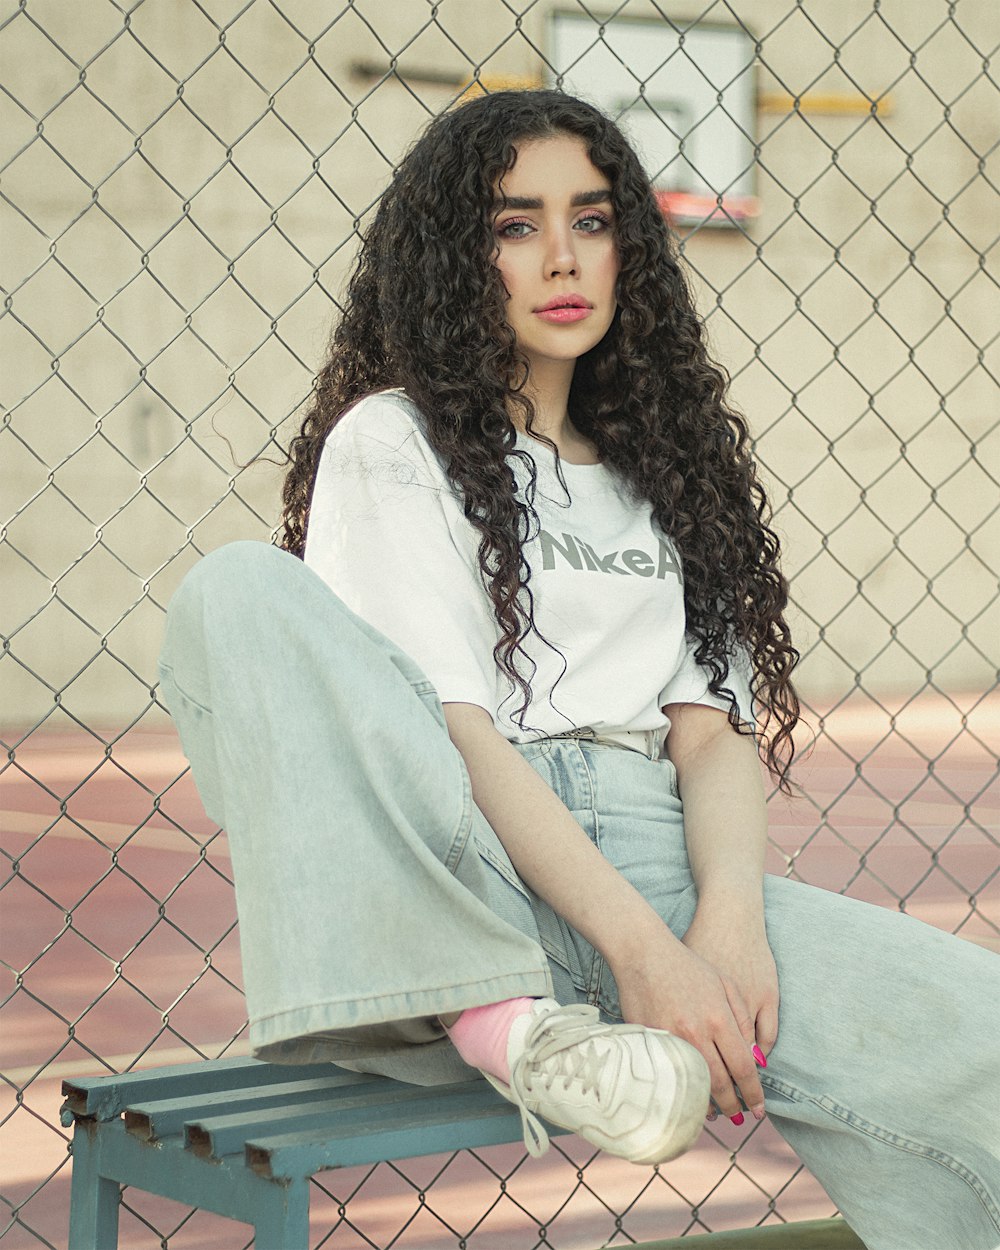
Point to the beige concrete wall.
(181, 219)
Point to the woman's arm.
(725, 827)
(661, 982)
(725, 821)
(547, 847)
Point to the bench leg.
(94, 1200)
(284, 1221)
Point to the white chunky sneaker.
(638, 1093)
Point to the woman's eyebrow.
(582, 199)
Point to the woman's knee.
(245, 589)
(236, 571)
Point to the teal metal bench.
(242, 1139)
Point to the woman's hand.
(672, 986)
(736, 946)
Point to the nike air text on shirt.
(580, 555)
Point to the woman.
(549, 550)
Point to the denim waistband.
(648, 742)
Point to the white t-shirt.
(387, 533)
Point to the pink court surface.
(120, 919)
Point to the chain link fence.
(183, 185)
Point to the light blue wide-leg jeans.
(373, 896)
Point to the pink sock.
(480, 1035)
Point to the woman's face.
(556, 251)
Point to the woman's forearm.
(725, 828)
(725, 821)
(549, 850)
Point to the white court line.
(74, 1068)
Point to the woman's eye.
(514, 229)
(593, 224)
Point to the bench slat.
(151, 1121)
(105, 1097)
(295, 1154)
(340, 1115)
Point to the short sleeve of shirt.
(689, 683)
(387, 533)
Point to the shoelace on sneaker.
(548, 1040)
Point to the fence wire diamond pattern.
(183, 187)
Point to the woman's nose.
(561, 258)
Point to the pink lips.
(562, 316)
(564, 309)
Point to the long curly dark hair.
(425, 311)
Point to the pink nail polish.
(737, 1118)
(758, 1113)
(758, 1055)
